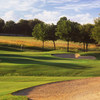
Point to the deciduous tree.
(9, 27)
(40, 32)
(52, 34)
(86, 32)
(2, 23)
(96, 30)
(64, 30)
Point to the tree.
(96, 30)
(32, 23)
(24, 28)
(52, 34)
(75, 32)
(86, 32)
(9, 27)
(2, 23)
(64, 30)
(40, 32)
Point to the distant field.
(30, 41)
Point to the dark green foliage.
(40, 32)
(52, 34)
(75, 33)
(2, 23)
(96, 30)
(10, 27)
(64, 30)
(23, 27)
(85, 36)
(96, 33)
(32, 23)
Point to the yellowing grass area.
(30, 41)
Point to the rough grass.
(31, 42)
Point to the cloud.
(53, 17)
(81, 18)
(28, 16)
(9, 16)
(61, 1)
(18, 5)
(46, 11)
(81, 6)
(48, 16)
(17, 9)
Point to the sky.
(50, 11)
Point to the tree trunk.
(86, 47)
(21, 47)
(43, 45)
(54, 45)
(67, 46)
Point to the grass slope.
(44, 64)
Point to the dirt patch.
(83, 89)
(74, 56)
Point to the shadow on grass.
(40, 57)
(37, 48)
(11, 47)
(7, 58)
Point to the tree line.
(65, 30)
(22, 27)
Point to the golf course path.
(82, 89)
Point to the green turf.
(11, 97)
(44, 64)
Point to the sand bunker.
(83, 89)
(74, 56)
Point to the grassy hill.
(30, 63)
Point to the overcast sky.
(49, 11)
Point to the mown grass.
(11, 97)
(44, 64)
